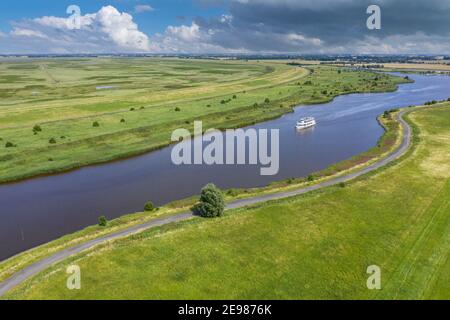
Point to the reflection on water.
(39, 210)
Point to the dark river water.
(39, 210)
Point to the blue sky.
(225, 26)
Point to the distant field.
(137, 103)
(418, 66)
(316, 246)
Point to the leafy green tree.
(102, 221)
(212, 203)
(149, 206)
(37, 128)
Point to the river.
(39, 210)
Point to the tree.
(52, 141)
(149, 206)
(96, 124)
(211, 203)
(102, 221)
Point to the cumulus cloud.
(107, 30)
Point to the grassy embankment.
(140, 103)
(312, 246)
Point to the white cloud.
(184, 33)
(143, 8)
(122, 30)
(107, 30)
(19, 32)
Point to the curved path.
(43, 264)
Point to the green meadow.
(60, 114)
(314, 246)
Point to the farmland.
(61, 114)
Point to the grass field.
(48, 108)
(316, 246)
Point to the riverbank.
(390, 141)
(45, 142)
(276, 250)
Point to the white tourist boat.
(305, 123)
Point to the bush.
(311, 178)
(211, 203)
(37, 128)
(52, 141)
(149, 206)
(234, 97)
(122, 120)
(132, 109)
(177, 109)
(95, 124)
(9, 145)
(267, 100)
(342, 185)
(102, 221)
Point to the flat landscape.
(60, 114)
(315, 246)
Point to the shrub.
(208, 106)
(102, 221)
(211, 203)
(311, 178)
(342, 185)
(122, 120)
(132, 109)
(9, 145)
(232, 192)
(95, 124)
(142, 108)
(149, 206)
(267, 100)
(234, 97)
(256, 105)
(37, 128)
(52, 141)
(177, 109)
